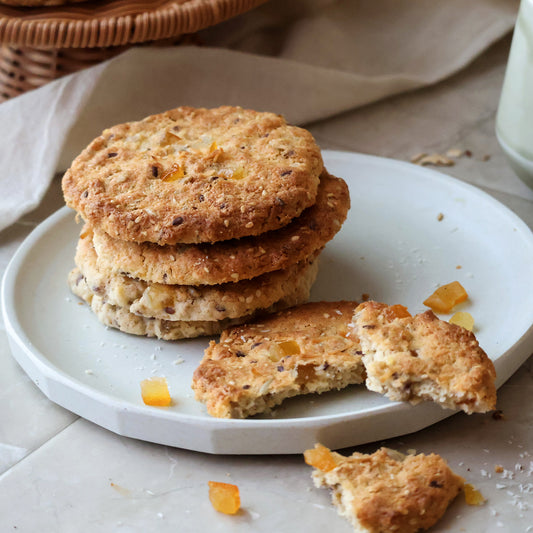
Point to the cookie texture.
(195, 175)
(233, 260)
(388, 492)
(424, 358)
(256, 366)
(120, 318)
(186, 303)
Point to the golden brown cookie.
(195, 175)
(423, 358)
(256, 366)
(192, 303)
(120, 318)
(386, 491)
(236, 259)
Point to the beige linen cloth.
(306, 59)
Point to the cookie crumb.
(435, 159)
(417, 157)
(455, 153)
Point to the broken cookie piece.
(386, 492)
(302, 350)
(423, 358)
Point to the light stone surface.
(59, 473)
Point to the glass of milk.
(514, 120)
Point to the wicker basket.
(42, 44)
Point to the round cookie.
(117, 317)
(195, 175)
(237, 259)
(183, 302)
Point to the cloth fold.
(306, 59)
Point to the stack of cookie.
(196, 219)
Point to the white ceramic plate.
(393, 247)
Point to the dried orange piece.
(289, 348)
(320, 457)
(224, 497)
(445, 298)
(154, 391)
(396, 311)
(472, 495)
(238, 173)
(279, 350)
(175, 172)
(463, 319)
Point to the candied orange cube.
(154, 391)
(238, 173)
(396, 311)
(224, 497)
(472, 495)
(445, 298)
(463, 319)
(320, 457)
(289, 348)
(175, 172)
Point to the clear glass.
(514, 120)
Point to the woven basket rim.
(113, 23)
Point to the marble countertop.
(60, 473)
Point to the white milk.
(514, 121)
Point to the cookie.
(386, 491)
(423, 358)
(195, 175)
(233, 260)
(186, 303)
(256, 366)
(120, 318)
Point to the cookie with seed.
(233, 260)
(256, 366)
(423, 358)
(192, 303)
(120, 318)
(386, 491)
(195, 175)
